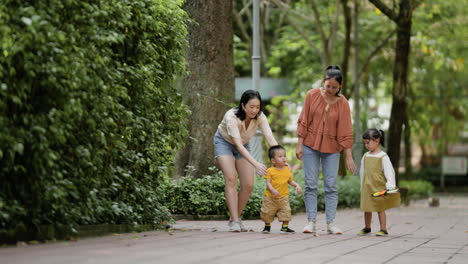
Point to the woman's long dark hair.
(245, 98)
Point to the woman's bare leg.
(227, 164)
(246, 176)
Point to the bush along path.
(85, 134)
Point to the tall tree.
(210, 81)
(402, 16)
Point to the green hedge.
(89, 114)
(418, 189)
(205, 195)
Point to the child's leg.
(367, 219)
(267, 228)
(367, 222)
(383, 220)
(268, 212)
(284, 214)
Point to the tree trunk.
(399, 114)
(400, 83)
(357, 148)
(407, 140)
(210, 81)
(344, 68)
(346, 48)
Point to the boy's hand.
(275, 193)
(298, 189)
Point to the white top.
(233, 127)
(388, 170)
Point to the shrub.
(85, 89)
(195, 196)
(205, 195)
(418, 189)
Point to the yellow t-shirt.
(279, 180)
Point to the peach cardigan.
(324, 127)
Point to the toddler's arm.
(270, 187)
(298, 187)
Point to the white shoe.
(310, 227)
(242, 227)
(234, 226)
(333, 229)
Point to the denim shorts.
(223, 148)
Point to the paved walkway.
(418, 234)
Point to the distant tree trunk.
(346, 48)
(407, 140)
(398, 116)
(344, 68)
(209, 83)
(357, 148)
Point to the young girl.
(377, 174)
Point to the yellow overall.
(374, 181)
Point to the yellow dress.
(374, 181)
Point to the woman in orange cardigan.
(324, 129)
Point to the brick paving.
(417, 234)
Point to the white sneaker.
(310, 227)
(234, 226)
(242, 227)
(333, 229)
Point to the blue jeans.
(311, 163)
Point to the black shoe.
(285, 230)
(364, 231)
(267, 229)
(382, 233)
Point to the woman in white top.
(231, 144)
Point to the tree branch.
(286, 9)
(373, 53)
(385, 9)
(334, 27)
(238, 19)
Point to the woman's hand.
(299, 151)
(261, 169)
(350, 164)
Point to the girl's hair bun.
(333, 67)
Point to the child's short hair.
(272, 150)
(373, 134)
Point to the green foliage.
(418, 188)
(438, 101)
(194, 196)
(205, 195)
(89, 113)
